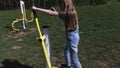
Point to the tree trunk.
(93, 2)
(4, 2)
(9, 4)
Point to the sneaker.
(69, 67)
(65, 66)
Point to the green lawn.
(99, 46)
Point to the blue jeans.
(71, 48)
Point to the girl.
(68, 15)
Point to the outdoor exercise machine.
(44, 39)
(43, 33)
(22, 18)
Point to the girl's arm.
(50, 12)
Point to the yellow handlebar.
(21, 19)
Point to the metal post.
(45, 31)
(22, 7)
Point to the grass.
(98, 47)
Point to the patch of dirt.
(54, 60)
(14, 34)
(20, 40)
(21, 34)
(16, 47)
(103, 64)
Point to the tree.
(9, 4)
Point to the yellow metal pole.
(43, 43)
(42, 38)
(13, 25)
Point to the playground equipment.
(43, 34)
(43, 37)
(22, 18)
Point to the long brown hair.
(68, 7)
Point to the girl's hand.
(53, 9)
(33, 7)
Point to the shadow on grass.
(8, 63)
(9, 27)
